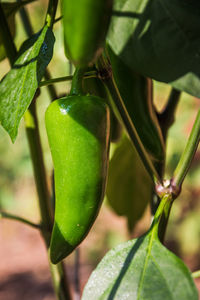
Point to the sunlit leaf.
(20, 84)
(141, 269)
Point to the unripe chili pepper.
(85, 24)
(78, 128)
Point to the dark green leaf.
(136, 92)
(18, 87)
(125, 177)
(141, 269)
(159, 39)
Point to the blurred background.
(24, 272)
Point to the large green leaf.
(142, 269)
(137, 95)
(19, 86)
(125, 177)
(159, 39)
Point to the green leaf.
(136, 92)
(140, 269)
(18, 87)
(159, 39)
(125, 177)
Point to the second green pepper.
(85, 25)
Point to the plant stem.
(161, 216)
(25, 20)
(61, 285)
(51, 12)
(20, 219)
(32, 131)
(59, 277)
(35, 147)
(167, 116)
(7, 38)
(108, 80)
(58, 274)
(66, 78)
(196, 274)
(76, 274)
(51, 88)
(77, 82)
(58, 19)
(188, 154)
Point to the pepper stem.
(77, 82)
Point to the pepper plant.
(118, 48)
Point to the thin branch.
(6, 215)
(51, 12)
(25, 20)
(58, 19)
(66, 78)
(59, 276)
(32, 130)
(51, 88)
(60, 281)
(77, 274)
(107, 78)
(162, 215)
(188, 154)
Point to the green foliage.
(18, 87)
(159, 39)
(140, 269)
(136, 92)
(125, 177)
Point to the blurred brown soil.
(24, 272)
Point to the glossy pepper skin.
(78, 132)
(94, 86)
(85, 24)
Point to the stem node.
(168, 187)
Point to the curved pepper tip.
(59, 247)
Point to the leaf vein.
(158, 267)
(149, 247)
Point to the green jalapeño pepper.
(85, 24)
(95, 87)
(78, 128)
